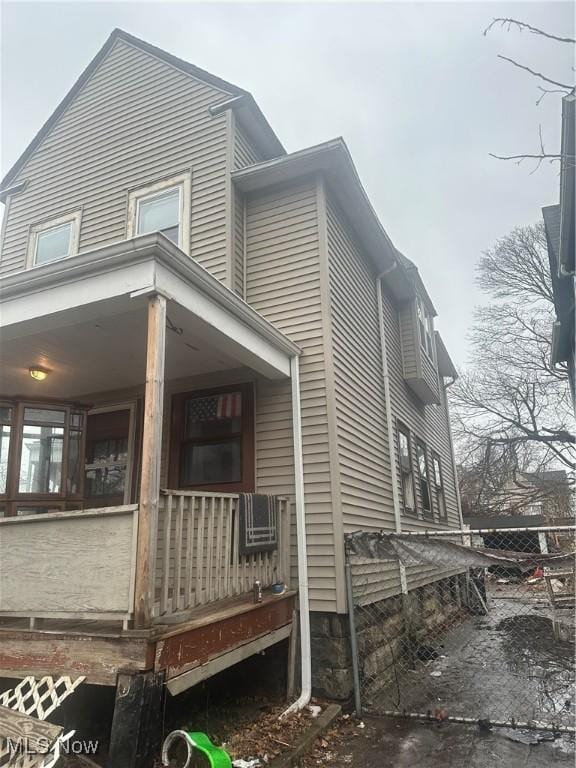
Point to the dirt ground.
(383, 742)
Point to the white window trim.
(135, 196)
(45, 226)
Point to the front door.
(109, 457)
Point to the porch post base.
(136, 735)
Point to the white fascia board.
(74, 294)
(228, 331)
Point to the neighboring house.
(187, 307)
(545, 494)
(560, 228)
(529, 498)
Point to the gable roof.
(252, 116)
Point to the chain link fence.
(467, 626)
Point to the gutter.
(303, 596)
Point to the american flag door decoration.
(215, 407)
(229, 406)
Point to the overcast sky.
(415, 89)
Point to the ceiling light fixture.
(38, 373)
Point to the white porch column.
(151, 455)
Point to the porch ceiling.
(88, 354)
(84, 319)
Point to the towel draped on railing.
(258, 523)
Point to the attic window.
(54, 240)
(163, 206)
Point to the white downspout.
(389, 419)
(306, 661)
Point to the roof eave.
(254, 122)
(333, 161)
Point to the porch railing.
(198, 559)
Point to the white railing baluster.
(200, 552)
(228, 548)
(164, 593)
(178, 544)
(188, 584)
(199, 557)
(236, 551)
(220, 552)
(210, 548)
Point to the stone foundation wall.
(383, 629)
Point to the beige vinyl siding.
(429, 373)
(238, 261)
(428, 423)
(135, 121)
(244, 153)
(275, 450)
(283, 284)
(409, 341)
(365, 474)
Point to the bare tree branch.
(526, 157)
(511, 408)
(569, 88)
(546, 91)
(522, 25)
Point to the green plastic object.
(217, 757)
(196, 740)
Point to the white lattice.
(37, 698)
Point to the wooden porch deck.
(210, 639)
(67, 592)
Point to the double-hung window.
(160, 213)
(54, 240)
(213, 440)
(424, 477)
(406, 472)
(439, 486)
(162, 207)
